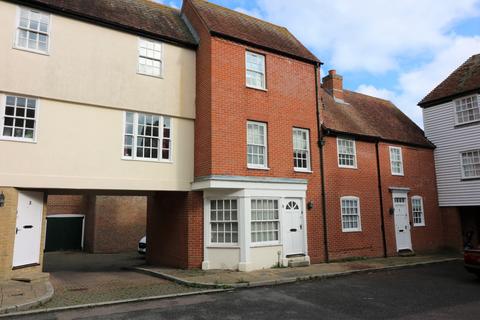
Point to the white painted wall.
(439, 122)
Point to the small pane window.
(150, 57)
(417, 210)
(33, 30)
(350, 207)
(301, 149)
(19, 118)
(223, 221)
(255, 66)
(347, 157)
(471, 164)
(264, 220)
(467, 109)
(256, 144)
(396, 161)
(147, 137)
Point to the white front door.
(295, 233)
(26, 249)
(402, 222)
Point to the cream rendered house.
(95, 97)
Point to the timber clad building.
(219, 120)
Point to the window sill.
(12, 139)
(398, 174)
(419, 225)
(147, 160)
(302, 170)
(223, 246)
(347, 167)
(258, 168)
(352, 231)
(149, 75)
(466, 124)
(265, 244)
(470, 179)
(32, 51)
(256, 88)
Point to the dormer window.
(467, 110)
(255, 66)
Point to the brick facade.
(175, 229)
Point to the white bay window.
(223, 221)
(265, 223)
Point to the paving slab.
(230, 278)
(20, 295)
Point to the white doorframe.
(301, 208)
(29, 229)
(403, 236)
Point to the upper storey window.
(256, 145)
(18, 118)
(471, 164)
(255, 66)
(396, 161)
(347, 155)
(301, 149)
(467, 110)
(150, 54)
(33, 30)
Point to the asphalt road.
(441, 291)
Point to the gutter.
(321, 143)
(380, 194)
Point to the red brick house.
(380, 190)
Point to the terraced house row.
(247, 157)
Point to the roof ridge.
(241, 13)
(158, 4)
(369, 96)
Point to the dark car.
(471, 258)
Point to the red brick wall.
(175, 229)
(65, 204)
(362, 183)
(419, 176)
(452, 228)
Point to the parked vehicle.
(142, 245)
(471, 258)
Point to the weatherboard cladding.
(239, 27)
(450, 141)
(142, 16)
(465, 79)
(370, 117)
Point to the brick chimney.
(333, 84)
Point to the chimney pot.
(332, 72)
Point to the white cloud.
(413, 85)
(369, 35)
(252, 12)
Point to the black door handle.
(28, 227)
(293, 230)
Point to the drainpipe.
(380, 193)
(321, 143)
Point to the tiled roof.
(363, 115)
(141, 16)
(241, 27)
(466, 79)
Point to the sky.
(397, 50)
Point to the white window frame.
(263, 166)
(263, 73)
(462, 168)
(354, 166)
(134, 157)
(3, 105)
(210, 243)
(401, 173)
(307, 150)
(359, 227)
(421, 212)
(279, 230)
(18, 28)
(459, 101)
(161, 59)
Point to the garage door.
(64, 232)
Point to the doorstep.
(29, 292)
(273, 276)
